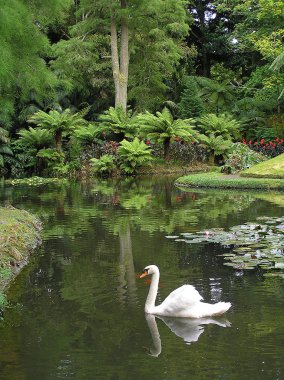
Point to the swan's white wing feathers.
(180, 299)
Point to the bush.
(266, 147)
(240, 158)
(133, 154)
(103, 165)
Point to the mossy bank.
(219, 180)
(19, 235)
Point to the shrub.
(266, 147)
(241, 157)
(103, 165)
(53, 159)
(133, 154)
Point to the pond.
(77, 310)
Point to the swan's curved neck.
(151, 298)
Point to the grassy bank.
(218, 180)
(19, 235)
(273, 168)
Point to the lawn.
(273, 168)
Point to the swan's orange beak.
(144, 274)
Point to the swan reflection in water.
(189, 329)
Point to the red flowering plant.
(269, 148)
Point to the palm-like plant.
(219, 125)
(58, 123)
(117, 121)
(216, 145)
(36, 138)
(133, 155)
(87, 135)
(162, 128)
(215, 93)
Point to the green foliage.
(117, 121)
(261, 25)
(219, 125)
(219, 96)
(133, 154)
(156, 31)
(88, 135)
(241, 157)
(190, 104)
(58, 123)
(162, 128)
(36, 138)
(278, 62)
(216, 145)
(5, 149)
(3, 301)
(23, 72)
(81, 70)
(103, 165)
(53, 158)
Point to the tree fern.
(37, 138)
(117, 121)
(59, 122)
(162, 128)
(219, 125)
(133, 154)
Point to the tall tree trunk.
(120, 62)
(115, 59)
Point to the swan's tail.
(220, 308)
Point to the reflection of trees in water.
(75, 322)
(126, 278)
(152, 205)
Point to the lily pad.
(251, 245)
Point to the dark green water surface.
(77, 310)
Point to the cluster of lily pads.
(252, 245)
(34, 181)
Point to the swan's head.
(150, 269)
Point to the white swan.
(183, 302)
